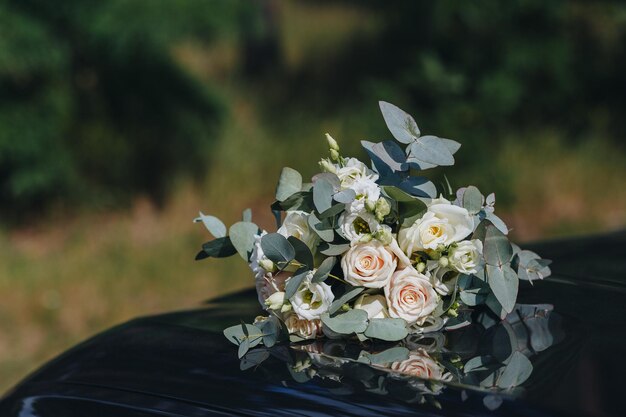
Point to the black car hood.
(180, 364)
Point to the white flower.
(296, 224)
(354, 170)
(306, 329)
(374, 305)
(275, 301)
(366, 190)
(357, 227)
(257, 257)
(443, 224)
(466, 255)
(311, 299)
(269, 284)
(368, 264)
(410, 296)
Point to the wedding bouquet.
(375, 251)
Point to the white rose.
(311, 299)
(466, 256)
(443, 224)
(306, 329)
(354, 170)
(410, 296)
(374, 305)
(368, 264)
(296, 224)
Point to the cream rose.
(410, 296)
(311, 300)
(466, 255)
(421, 365)
(306, 329)
(374, 305)
(368, 264)
(296, 225)
(443, 224)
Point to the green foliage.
(92, 105)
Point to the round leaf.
(353, 321)
(242, 235)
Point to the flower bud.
(334, 155)
(328, 166)
(369, 205)
(275, 301)
(286, 307)
(384, 235)
(421, 267)
(443, 261)
(382, 208)
(332, 143)
(267, 265)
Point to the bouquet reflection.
(491, 358)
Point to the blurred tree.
(92, 105)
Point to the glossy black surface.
(180, 364)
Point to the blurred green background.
(120, 119)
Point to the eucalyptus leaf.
(218, 248)
(418, 187)
(497, 248)
(504, 283)
(323, 192)
(253, 358)
(324, 269)
(289, 183)
(332, 211)
(386, 357)
(349, 294)
(277, 249)
(431, 150)
(346, 196)
(271, 331)
(247, 215)
(244, 346)
(472, 200)
(335, 250)
(495, 306)
(242, 235)
(387, 156)
(302, 252)
(387, 329)
(294, 282)
(401, 125)
(452, 145)
(236, 335)
(497, 222)
(516, 371)
(352, 321)
(213, 224)
(327, 235)
(477, 363)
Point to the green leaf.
(477, 363)
(324, 269)
(271, 331)
(333, 211)
(235, 334)
(247, 215)
(348, 295)
(497, 222)
(430, 150)
(302, 200)
(495, 306)
(327, 235)
(253, 358)
(497, 248)
(289, 183)
(387, 156)
(219, 248)
(516, 371)
(244, 346)
(345, 196)
(353, 321)
(242, 235)
(277, 249)
(386, 357)
(323, 192)
(294, 282)
(387, 329)
(472, 200)
(452, 145)
(504, 283)
(213, 225)
(401, 125)
(303, 253)
(334, 250)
